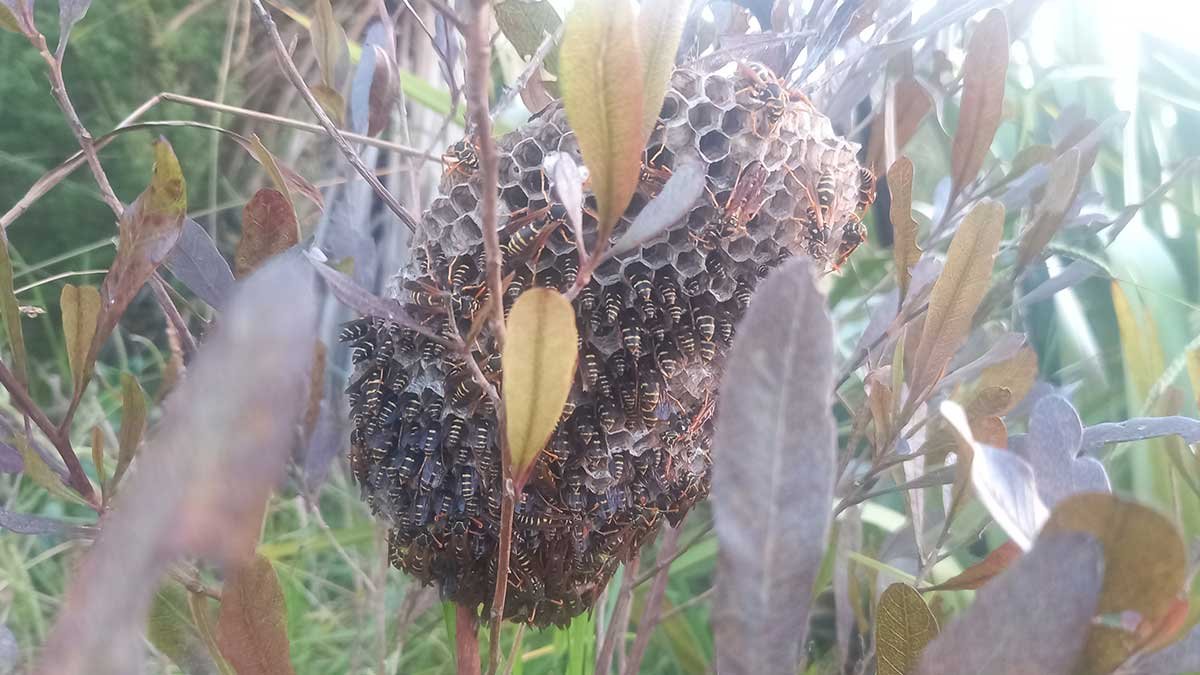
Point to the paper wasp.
(461, 158)
(743, 203)
(820, 212)
(770, 91)
(654, 173)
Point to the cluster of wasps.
(631, 449)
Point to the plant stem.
(466, 640)
(620, 618)
(503, 549)
(653, 607)
(297, 80)
(479, 59)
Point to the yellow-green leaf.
(80, 314)
(133, 425)
(267, 160)
(539, 364)
(526, 24)
(11, 310)
(268, 228)
(1145, 566)
(905, 251)
(1141, 352)
(40, 472)
(660, 26)
(957, 293)
(8, 21)
(331, 102)
(252, 626)
(172, 631)
(150, 227)
(984, 70)
(98, 455)
(1016, 376)
(601, 76)
(903, 626)
(330, 44)
(1048, 215)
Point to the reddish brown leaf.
(984, 71)
(149, 229)
(268, 228)
(252, 626)
(980, 573)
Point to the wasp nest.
(632, 448)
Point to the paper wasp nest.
(632, 449)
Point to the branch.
(503, 550)
(650, 615)
(297, 80)
(479, 58)
(620, 618)
(466, 640)
(76, 478)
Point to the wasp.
(685, 338)
(591, 364)
(668, 357)
(743, 203)
(611, 305)
(527, 232)
(649, 394)
(617, 465)
(705, 323)
(770, 91)
(410, 408)
(454, 430)
(619, 363)
(357, 330)
(467, 482)
(629, 399)
(654, 173)
(818, 216)
(573, 497)
(708, 350)
(461, 158)
(408, 465)
(608, 415)
(866, 188)
(631, 331)
(464, 391)
(589, 300)
(725, 328)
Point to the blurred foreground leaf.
(538, 365)
(773, 473)
(660, 26)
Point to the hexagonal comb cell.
(631, 449)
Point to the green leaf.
(984, 71)
(1145, 566)
(268, 228)
(903, 626)
(171, 630)
(17, 16)
(602, 93)
(267, 160)
(905, 252)
(149, 229)
(526, 25)
(98, 455)
(8, 21)
(331, 45)
(252, 626)
(39, 472)
(11, 310)
(660, 26)
(80, 314)
(331, 102)
(133, 425)
(956, 295)
(538, 364)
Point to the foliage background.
(126, 52)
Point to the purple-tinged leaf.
(773, 473)
(201, 486)
(372, 92)
(445, 41)
(1097, 436)
(1181, 657)
(324, 443)
(17, 16)
(25, 523)
(1052, 448)
(984, 71)
(1003, 481)
(350, 294)
(679, 194)
(10, 459)
(1077, 271)
(567, 178)
(69, 13)
(1031, 620)
(196, 262)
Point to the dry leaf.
(975, 576)
(1048, 215)
(905, 251)
(956, 295)
(903, 626)
(773, 468)
(268, 229)
(601, 74)
(538, 363)
(984, 71)
(252, 626)
(330, 45)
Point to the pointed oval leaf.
(1048, 215)
(98, 455)
(1031, 620)
(956, 294)
(80, 313)
(683, 188)
(905, 251)
(602, 94)
(331, 102)
(196, 262)
(172, 631)
(27, 523)
(1003, 481)
(69, 14)
(11, 310)
(1145, 565)
(252, 625)
(538, 362)
(526, 23)
(330, 43)
(773, 473)
(1097, 436)
(268, 228)
(984, 71)
(37, 470)
(903, 626)
(372, 91)
(660, 26)
(150, 227)
(133, 425)
(8, 21)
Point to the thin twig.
(447, 12)
(653, 604)
(76, 478)
(503, 550)
(664, 564)
(172, 312)
(620, 618)
(535, 62)
(479, 59)
(297, 80)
